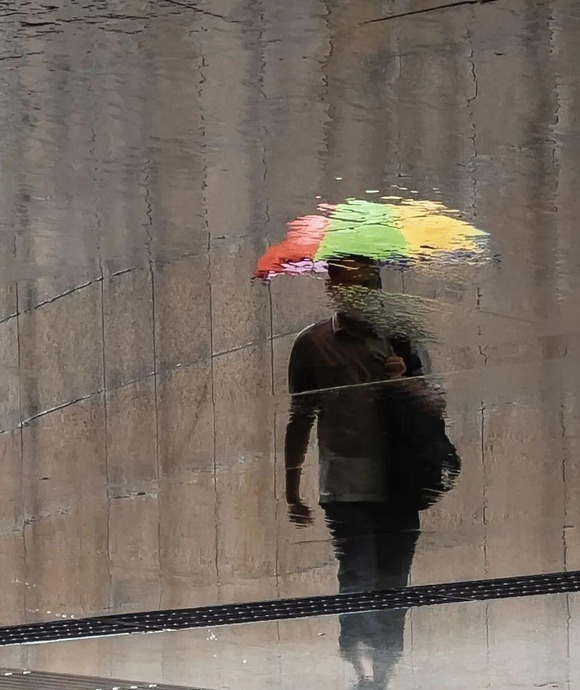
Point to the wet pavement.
(151, 153)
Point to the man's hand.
(395, 367)
(300, 514)
(423, 395)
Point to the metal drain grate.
(30, 680)
(284, 609)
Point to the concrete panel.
(246, 523)
(182, 312)
(132, 462)
(11, 504)
(9, 375)
(128, 324)
(188, 532)
(61, 349)
(242, 390)
(185, 420)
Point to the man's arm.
(302, 416)
(417, 360)
(303, 409)
(418, 365)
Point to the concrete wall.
(143, 382)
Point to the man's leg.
(396, 537)
(395, 540)
(353, 535)
(353, 532)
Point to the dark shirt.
(335, 357)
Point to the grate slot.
(287, 609)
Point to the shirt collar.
(344, 324)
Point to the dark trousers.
(374, 549)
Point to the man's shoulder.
(306, 354)
(314, 332)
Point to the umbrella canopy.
(398, 233)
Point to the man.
(343, 353)
(332, 368)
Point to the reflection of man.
(374, 540)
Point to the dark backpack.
(423, 463)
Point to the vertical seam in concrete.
(21, 442)
(564, 535)
(485, 479)
(473, 158)
(485, 525)
(101, 279)
(106, 442)
(211, 334)
(275, 439)
(271, 317)
(150, 265)
(472, 172)
(564, 489)
(410, 616)
(259, 8)
(156, 415)
(212, 374)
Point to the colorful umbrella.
(400, 232)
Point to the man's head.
(354, 288)
(354, 270)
